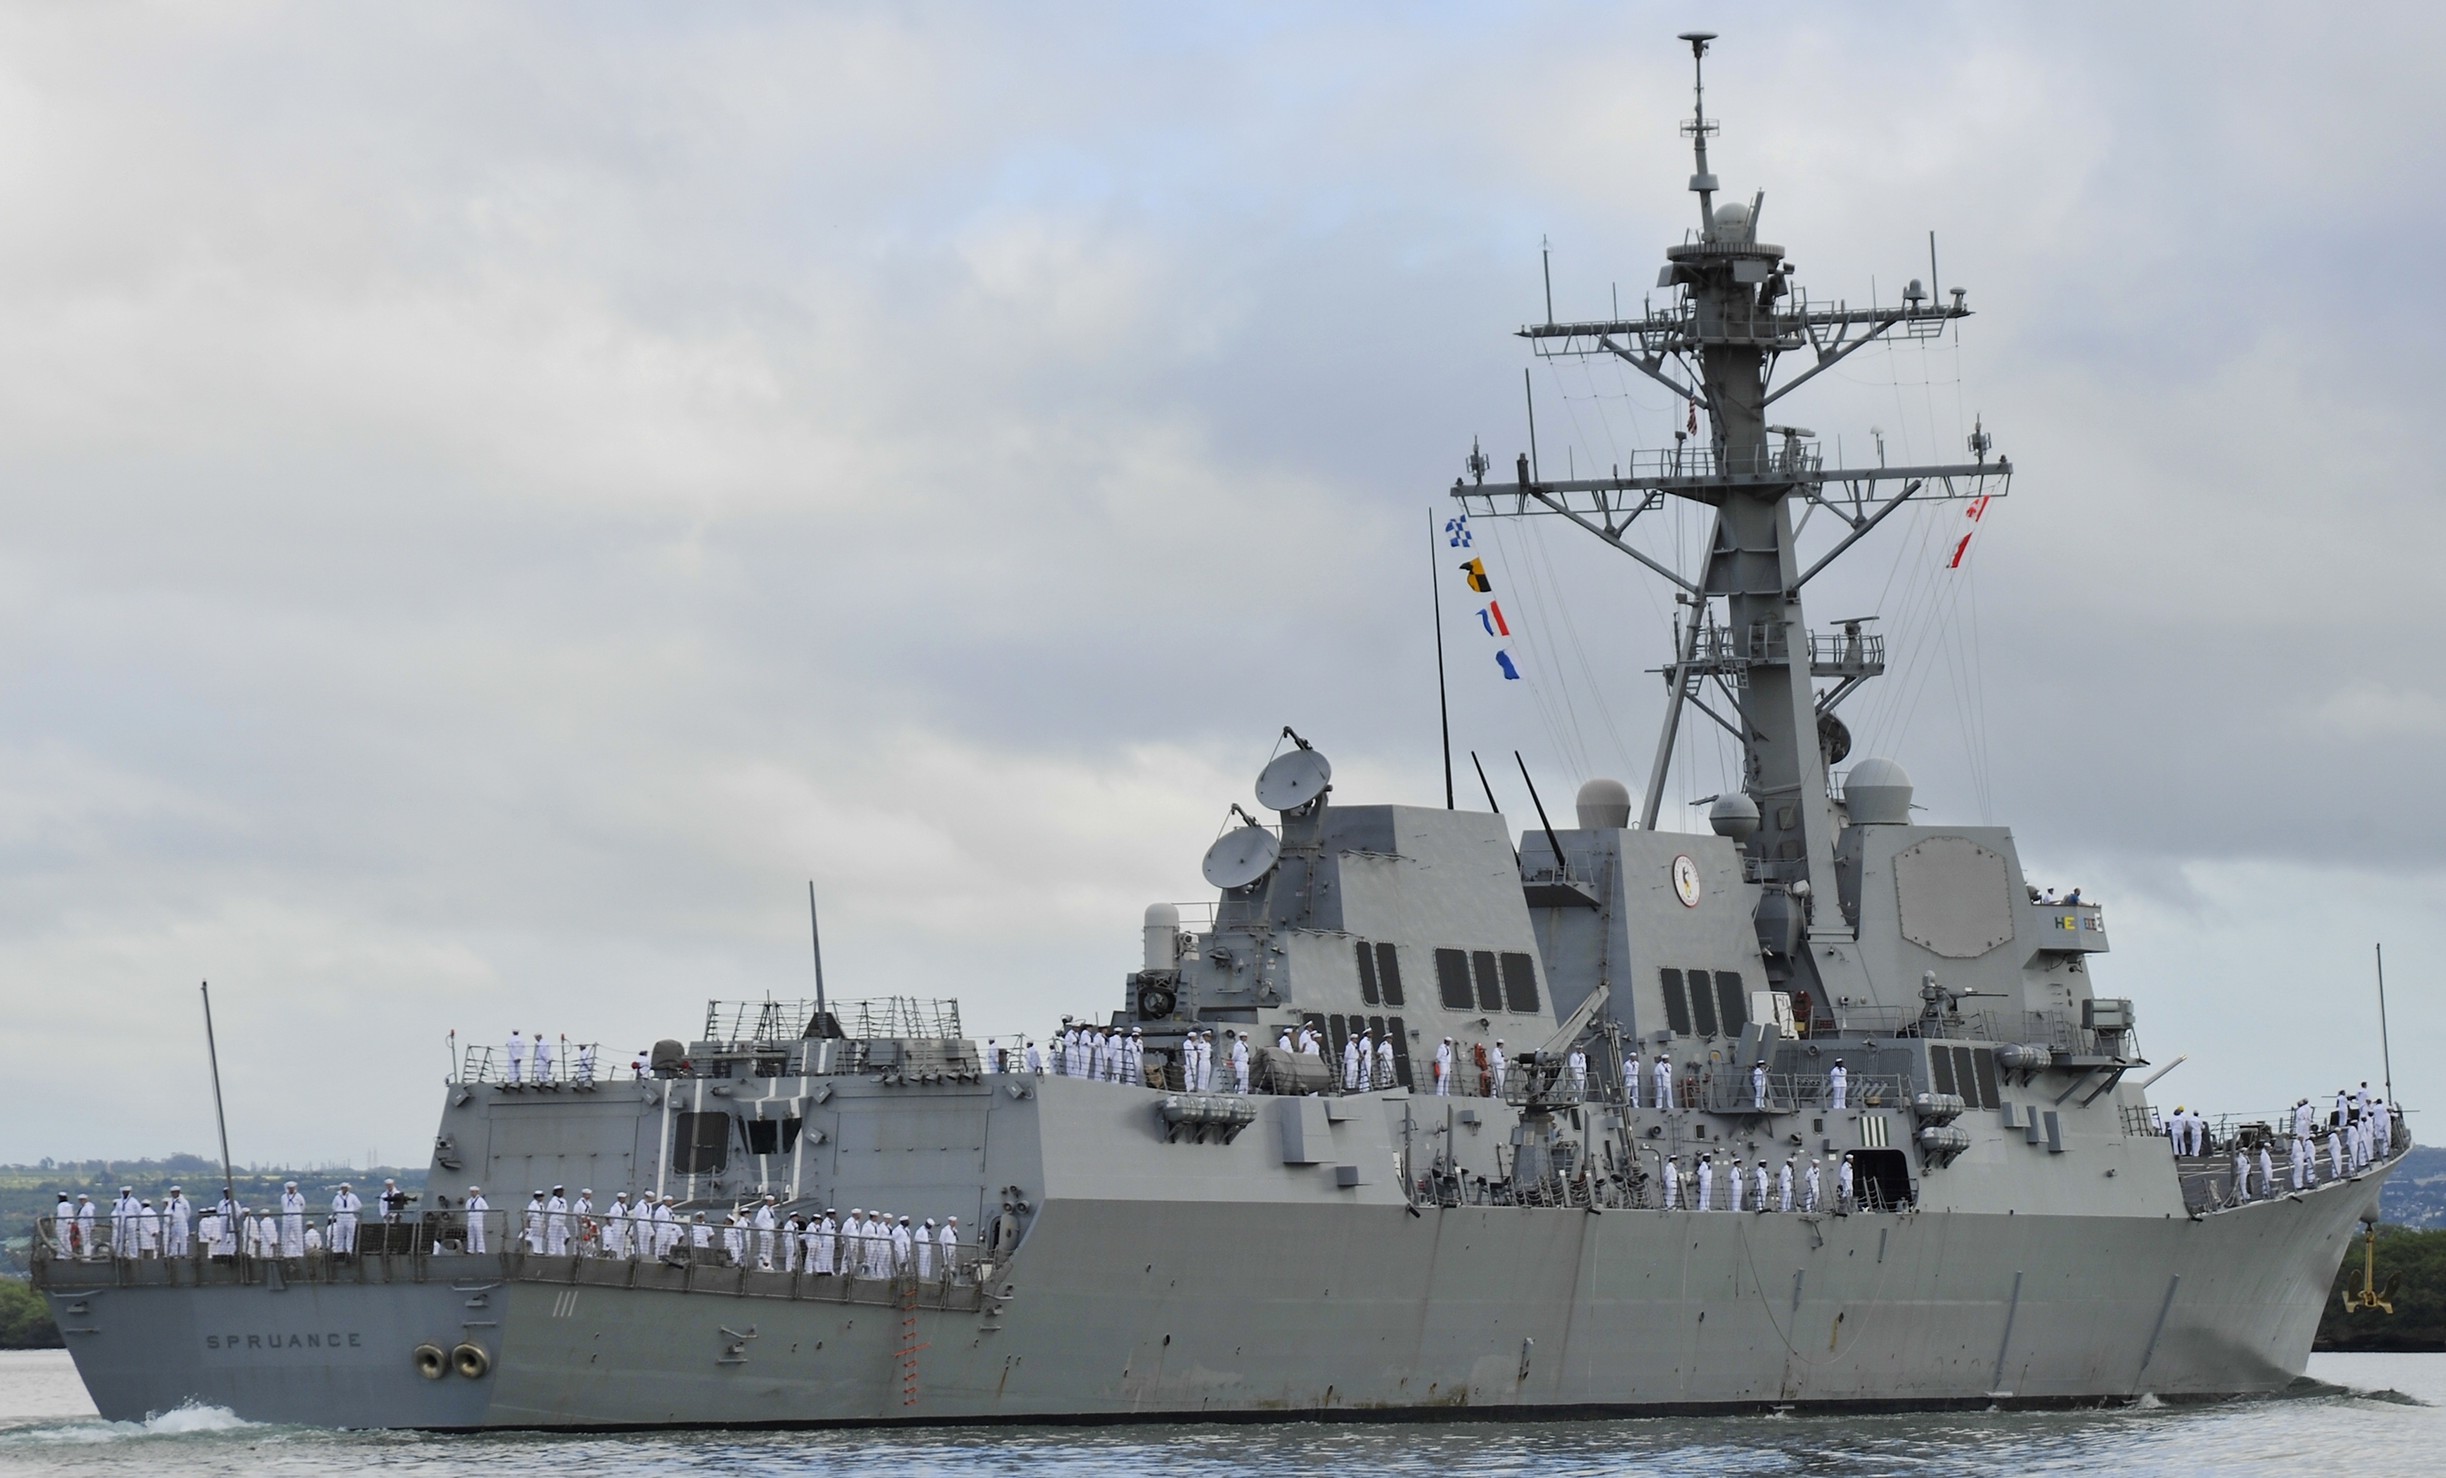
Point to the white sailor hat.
(292, 1185)
(475, 1190)
(770, 1196)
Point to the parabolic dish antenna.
(1240, 857)
(1293, 779)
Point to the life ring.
(471, 1361)
(431, 1363)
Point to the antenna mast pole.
(2386, 1056)
(815, 938)
(1443, 702)
(212, 1051)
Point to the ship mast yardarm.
(1733, 315)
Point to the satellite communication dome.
(1604, 805)
(1732, 219)
(1293, 779)
(1240, 857)
(1877, 792)
(1733, 815)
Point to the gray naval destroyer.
(2020, 1226)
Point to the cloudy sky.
(498, 498)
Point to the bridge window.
(1702, 1004)
(1452, 978)
(1388, 974)
(1677, 1005)
(1519, 983)
(1733, 1000)
(1490, 986)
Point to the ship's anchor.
(2370, 1295)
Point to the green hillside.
(2418, 1259)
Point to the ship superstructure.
(1818, 1108)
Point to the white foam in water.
(179, 1421)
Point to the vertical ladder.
(909, 1345)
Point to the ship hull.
(1120, 1311)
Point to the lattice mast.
(1740, 635)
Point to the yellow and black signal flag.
(1476, 571)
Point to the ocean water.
(2380, 1416)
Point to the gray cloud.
(496, 499)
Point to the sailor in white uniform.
(345, 1207)
(614, 1239)
(123, 1222)
(1443, 1069)
(1809, 1192)
(2267, 1174)
(232, 1218)
(176, 1213)
(292, 1222)
(1664, 1081)
(1758, 1199)
(1494, 1066)
(1363, 1048)
(1733, 1185)
(518, 1056)
(476, 1210)
(1707, 1181)
(1843, 1185)
(1576, 1066)
(586, 1064)
(2242, 1174)
(148, 1230)
(666, 1226)
(63, 1226)
(921, 1244)
(1672, 1178)
(765, 1222)
(1386, 1075)
(1783, 1186)
(1036, 1059)
(1239, 1062)
(1632, 1073)
(1838, 1082)
(543, 1058)
(817, 1256)
(1758, 1086)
